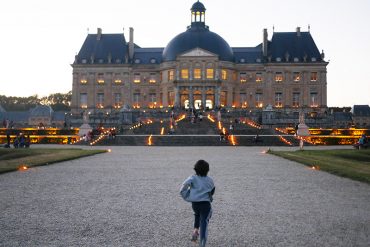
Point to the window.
(278, 100)
(100, 79)
(197, 73)
(235, 76)
(117, 78)
(296, 99)
(83, 79)
(152, 78)
(313, 100)
(117, 100)
(100, 100)
(137, 78)
(152, 100)
(184, 74)
(313, 76)
(258, 77)
(243, 77)
(210, 74)
(243, 100)
(136, 100)
(171, 98)
(83, 100)
(223, 98)
(296, 76)
(171, 75)
(259, 102)
(278, 76)
(224, 74)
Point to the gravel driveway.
(129, 197)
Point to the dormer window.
(242, 60)
(118, 60)
(101, 60)
(258, 60)
(278, 59)
(137, 61)
(296, 59)
(153, 60)
(84, 60)
(313, 59)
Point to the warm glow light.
(23, 168)
(109, 150)
(210, 118)
(219, 125)
(232, 138)
(162, 131)
(150, 140)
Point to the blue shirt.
(197, 189)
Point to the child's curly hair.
(201, 168)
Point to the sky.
(40, 38)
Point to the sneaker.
(194, 236)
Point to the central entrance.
(201, 98)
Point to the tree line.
(57, 101)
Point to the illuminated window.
(210, 74)
(278, 100)
(152, 78)
(117, 100)
(152, 100)
(171, 75)
(278, 76)
(136, 100)
(296, 76)
(100, 79)
(100, 100)
(258, 77)
(197, 73)
(296, 99)
(224, 74)
(137, 78)
(313, 100)
(83, 100)
(223, 98)
(243, 77)
(171, 98)
(259, 100)
(243, 100)
(184, 74)
(313, 76)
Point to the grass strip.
(13, 159)
(353, 164)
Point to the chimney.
(264, 43)
(298, 31)
(131, 44)
(98, 37)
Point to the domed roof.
(198, 6)
(199, 37)
(41, 111)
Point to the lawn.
(13, 159)
(353, 164)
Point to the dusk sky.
(40, 38)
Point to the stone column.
(204, 97)
(217, 96)
(191, 98)
(177, 97)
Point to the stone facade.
(146, 78)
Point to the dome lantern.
(198, 14)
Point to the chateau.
(198, 69)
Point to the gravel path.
(130, 198)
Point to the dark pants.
(202, 214)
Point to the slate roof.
(342, 116)
(148, 55)
(113, 45)
(283, 43)
(297, 46)
(361, 110)
(248, 54)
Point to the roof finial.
(273, 28)
(309, 28)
